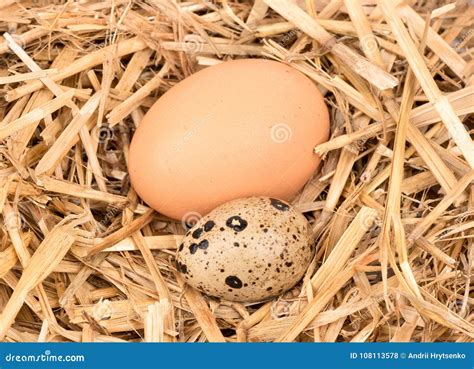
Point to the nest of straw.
(83, 259)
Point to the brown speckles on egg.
(248, 249)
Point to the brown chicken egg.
(240, 128)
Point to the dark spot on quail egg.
(204, 244)
(233, 281)
(197, 233)
(280, 205)
(209, 225)
(236, 223)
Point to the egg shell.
(240, 128)
(247, 250)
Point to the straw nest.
(83, 259)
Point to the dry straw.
(82, 259)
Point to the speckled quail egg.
(247, 250)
